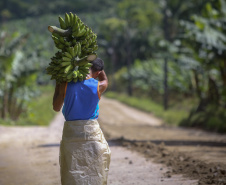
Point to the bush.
(211, 118)
(39, 110)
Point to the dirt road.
(195, 153)
(29, 155)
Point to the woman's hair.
(98, 65)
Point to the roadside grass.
(173, 116)
(39, 110)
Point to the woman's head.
(98, 65)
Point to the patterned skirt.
(84, 154)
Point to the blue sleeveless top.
(81, 100)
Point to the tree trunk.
(197, 85)
(5, 102)
(223, 77)
(2, 108)
(129, 62)
(113, 63)
(165, 69)
(223, 72)
(213, 93)
(165, 99)
(130, 89)
(14, 108)
(11, 92)
(19, 110)
(213, 96)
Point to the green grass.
(39, 111)
(172, 116)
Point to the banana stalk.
(61, 32)
(85, 60)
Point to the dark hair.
(98, 65)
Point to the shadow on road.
(119, 142)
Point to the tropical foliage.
(17, 78)
(154, 49)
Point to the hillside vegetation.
(165, 51)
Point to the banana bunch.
(77, 44)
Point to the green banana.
(82, 26)
(70, 75)
(87, 44)
(75, 27)
(61, 71)
(58, 54)
(79, 49)
(71, 15)
(71, 51)
(81, 32)
(80, 77)
(74, 41)
(93, 43)
(55, 39)
(59, 46)
(84, 72)
(63, 75)
(67, 43)
(75, 18)
(68, 68)
(83, 68)
(84, 42)
(76, 49)
(67, 20)
(75, 74)
(95, 47)
(56, 35)
(79, 21)
(62, 23)
(61, 39)
(90, 41)
(68, 55)
(78, 73)
(89, 50)
(89, 65)
(57, 68)
(94, 37)
(54, 72)
(66, 59)
(63, 64)
(56, 44)
(86, 68)
(75, 33)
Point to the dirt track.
(29, 155)
(195, 153)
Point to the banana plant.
(17, 76)
(205, 38)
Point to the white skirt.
(84, 154)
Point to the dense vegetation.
(166, 51)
